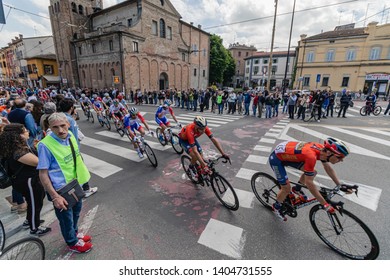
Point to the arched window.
(81, 10)
(112, 72)
(100, 75)
(83, 74)
(74, 7)
(162, 28)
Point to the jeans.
(260, 109)
(284, 111)
(246, 109)
(220, 108)
(268, 109)
(68, 222)
(254, 108)
(291, 109)
(275, 113)
(195, 104)
(330, 108)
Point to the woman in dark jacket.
(22, 162)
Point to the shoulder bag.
(5, 178)
(72, 192)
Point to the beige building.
(347, 57)
(239, 53)
(136, 44)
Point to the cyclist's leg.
(141, 130)
(281, 177)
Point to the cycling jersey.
(107, 101)
(115, 109)
(189, 134)
(296, 155)
(133, 123)
(163, 120)
(98, 104)
(84, 100)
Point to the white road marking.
(223, 238)
(257, 159)
(222, 116)
(184, 121)
(377, 131)
(245, 198)
(209, 120)
(245, 173)
(267, 140)
(263, 148)
(368, 196)
(269, 134)
(275, 130)
(127, 153)
(99, 167)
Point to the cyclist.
(132, 122)
(117, 110)
(161, 118)
(303, 156)
(370, 102)
(98, 106)
(122, 100)
(84, 102)
(188, 140)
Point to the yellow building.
(43, 71)
(346, 58)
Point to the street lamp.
(272, 46)
(288, 50)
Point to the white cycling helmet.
(200, 121)
(107, 94)
(83, 95)
(133, 111)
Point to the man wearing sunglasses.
(304, 156)
(188, 140)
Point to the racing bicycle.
(342, 231)
(29, 248)
(368, 109)
(221, 187)
(170, 137)
(144, 148)
(103, 119)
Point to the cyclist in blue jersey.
(132, 122)
(161, 118)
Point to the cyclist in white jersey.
(161, 118)
(117, 110)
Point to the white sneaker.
(140, 155)
(90, 192)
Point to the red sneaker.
(81, 247)
(85, 238)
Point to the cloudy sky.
(244, 21)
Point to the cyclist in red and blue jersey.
(161, 118)
(132, 122)
(304, 156)
(188, 140)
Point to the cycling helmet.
(200, 121)
(94, 96)
(168, 102)
(107, 94)
(115, 101)
(120, 97)
(83, 95)
(336, 146)
(133, 111)
(99, 98)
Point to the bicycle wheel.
(185, 162)
(224, 192)
(160, 136)
(101, 120)
(265, 187)
(308, 115)
(377, 110)
(150, 154)
(118, 128)
(107, 123)
(363, 111)
(2, 237)
(29, 248)
(345, 234)
(176, 144)
(91, 117)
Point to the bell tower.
(70, 19)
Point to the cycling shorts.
(135, 126)
(279, 169)
(187, 146)
(162, 121)
(119, 115)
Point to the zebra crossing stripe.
(208, 119)
(184, 121)
(269, 134)
(114, 135)
(263, 148)
(220, 116)
(376, 131)
(257, 159)
(213, 117)
(245, 173)
(127, 153)
(99, 167)
(267, 140)
(246, 198)
(224, 238)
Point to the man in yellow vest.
(56, 169)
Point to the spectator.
(48, 109)
(254, 104)
(302, 105)
(232, 102)
(277, 100)
(220, 102)
(247, 101)
(291, 105)
(240, 99)
(285, 100)
(56, 169)
(331, 104)
(22, 161)
(260, 104)
(268, 106)
(20, 115)
(344, 103)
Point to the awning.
(52, 79)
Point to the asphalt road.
(141, 212)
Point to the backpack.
(5, 178)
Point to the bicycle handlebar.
(215, 161)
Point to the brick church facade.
(137, 44)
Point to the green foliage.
(222, 64)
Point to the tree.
(222, 65)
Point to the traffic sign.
(116, 79)
(318, 78)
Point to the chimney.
(191, 23)
(303, 36)
(199, 26)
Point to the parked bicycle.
(170, 137)
(29, 248)
(342, 231)
(221, 187)
(368, 109)
(311, 114)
